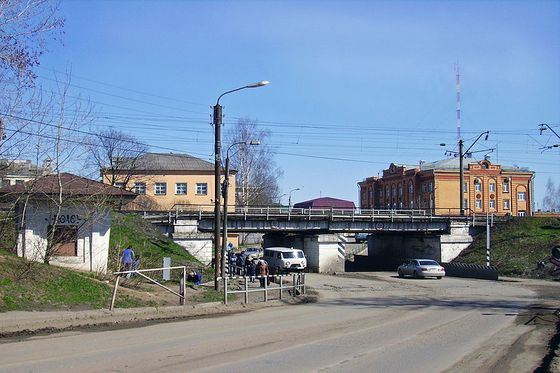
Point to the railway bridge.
(323, 233)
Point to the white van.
(284, 259)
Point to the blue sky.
(355, 85)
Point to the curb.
(26, 323)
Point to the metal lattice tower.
(458, 86)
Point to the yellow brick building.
(165, 181)
(487, 188)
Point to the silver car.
(420, 268)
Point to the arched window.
(477, 185)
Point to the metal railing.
(278, 285)
(200, 212)
(182, 283)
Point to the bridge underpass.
(322, 233)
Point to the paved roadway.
(372, 324)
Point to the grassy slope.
(28, 285)
(149, 243)
(517, 246)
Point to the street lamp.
(461, 154)
(225, 188)
(290, 197)
(217, 166)
(544, 127)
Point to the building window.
(521, 196)
(465, 186)
(160, 189)
(400, 190)
(411, 204)
(201, 189)
(465, 203)
(477, 186)
(492, 187)
(140, 188)
(6, 182)
(505, 186)
(521, 213)
(393, 191)
(478, 204)
(492, 204)
(181, 188)
(431, 186)
(119, 184)
(410, 187)
(64, 240)
(19, 182)
(506, 204)
(387, 191)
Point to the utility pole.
(461, 180)
(217, 194)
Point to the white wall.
(94, 228)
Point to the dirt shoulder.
(21, 324)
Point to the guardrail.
(200, 212)
(296, 287)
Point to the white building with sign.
(69, 228)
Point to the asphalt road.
(369, 324)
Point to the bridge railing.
(269, 212)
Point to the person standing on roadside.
(262, 272)
(127, 258)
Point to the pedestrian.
(127, 258)
(262, 272)
(197, 278)
(253, 270)
(136, 264)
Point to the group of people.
(254, 267)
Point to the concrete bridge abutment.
(324, 252)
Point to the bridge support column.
(324, 252)
(198, 244)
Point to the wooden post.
(114, 292)
(225, 289)
(294, 284)
(280, 287)
(246, 290)
(182, 289)
(265, 288)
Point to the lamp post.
(290, 197)
(225, 192)
(461, 155)
(217, 165)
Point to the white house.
(65, 220)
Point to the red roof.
(326, 202)
(72, 185)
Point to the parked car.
(360, 237)
(284, 259)
(421, 268)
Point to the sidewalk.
(17, 323)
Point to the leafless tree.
(551, 201)
(25, 28)
(116, 155)
(257, 177)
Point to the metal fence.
(182, 283)
(265, 285)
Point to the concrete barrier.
(471, 271)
